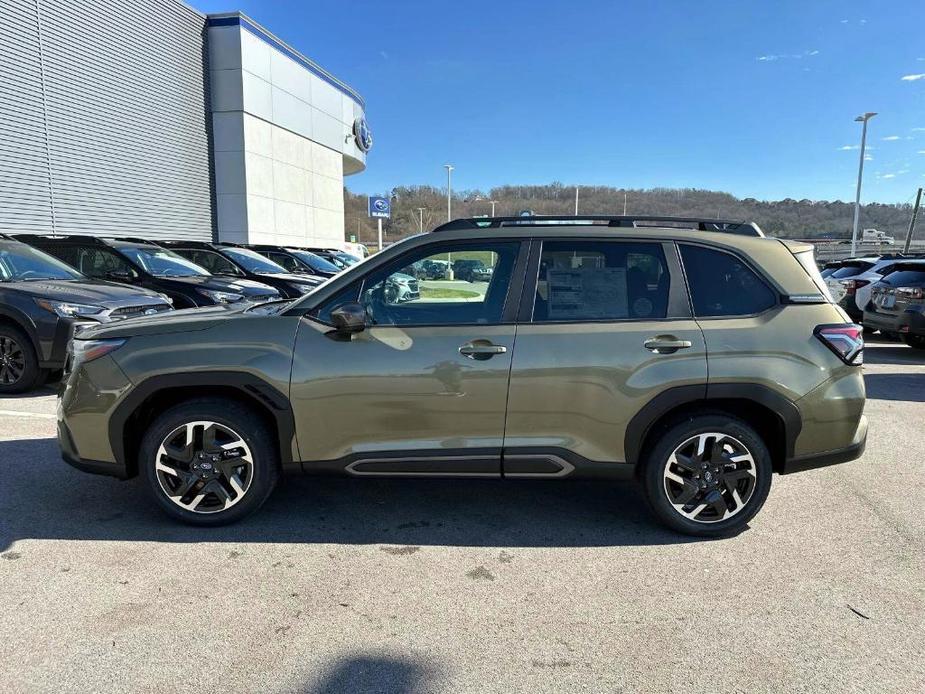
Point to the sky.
(756, 98)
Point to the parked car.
(471, 271)
(607, 379)
(42, 303)
(336, 257)
(897, 303)
(233, 261)
(298, 260)
(853, 275)
(142, 264)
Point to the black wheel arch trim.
(641, 424)
(23, 322)
(251, 387)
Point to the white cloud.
(888, 176)
(771, 57)
(890, 138)
(867, 157)
(844, 21)
(918, 130)
(863, 21)
(921, 151)
(913, 78)
(904, 171)
(845, 148)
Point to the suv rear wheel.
(209, 461)
(917, 341)
(19, 366)
(707, 475)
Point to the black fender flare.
(252, 387)
(23, 322)
(641, 423)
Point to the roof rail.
(631, 221)
(84, 238)
(135, 239)
(174, 243)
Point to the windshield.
(163, 263)
(315, 262)
(347, 258)
(19, 262)
(253, 261)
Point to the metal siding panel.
(109, 99)
(25, 190)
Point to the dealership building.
(148, 118)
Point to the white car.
(852, 283)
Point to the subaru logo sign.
(379, 207)
(362, 134)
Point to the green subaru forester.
(695, 356)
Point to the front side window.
(723, 285)
(400, 295)
(587, 280)
(162, 263)
(211, 261)
(287, 262)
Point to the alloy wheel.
(710, 477)
(12, 361)
(204, 467)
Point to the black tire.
(757, 484)
(916, 341)
(239, 419)
(22, 372)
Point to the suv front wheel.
(707, 475)
(209, 461)
(19, 365)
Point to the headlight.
(304, 289)
(221, 297)
(83, 351)
(67, 309)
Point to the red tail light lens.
(845, 339)
(851, 286)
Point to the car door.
(422, 390)
(605, 328)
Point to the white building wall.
(282, 142)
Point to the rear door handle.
(666, 344)
(481, 350)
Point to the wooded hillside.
(787, 218)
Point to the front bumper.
(840, 455)
(96, 467)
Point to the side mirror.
(349, 318)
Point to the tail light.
(851, 286)
(845, 339)
(911, 292)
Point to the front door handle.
(666, 344)
(481, 350)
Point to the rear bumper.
(910, 321)
(833, 457)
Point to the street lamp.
(421, 218)
(492, 203)
(449, 191)
(857, 200)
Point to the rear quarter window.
(905, 278)
(723, 285)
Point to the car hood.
(96, 293)
(220, 284)
(298, 279)
(184, 320)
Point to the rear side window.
(601, 280)
(723, 285)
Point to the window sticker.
(587, 293)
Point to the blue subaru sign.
(379, 207)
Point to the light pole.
(449, 215)
(421, 218)
(857, 200)
(449, 191)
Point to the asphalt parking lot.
(445, 586)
